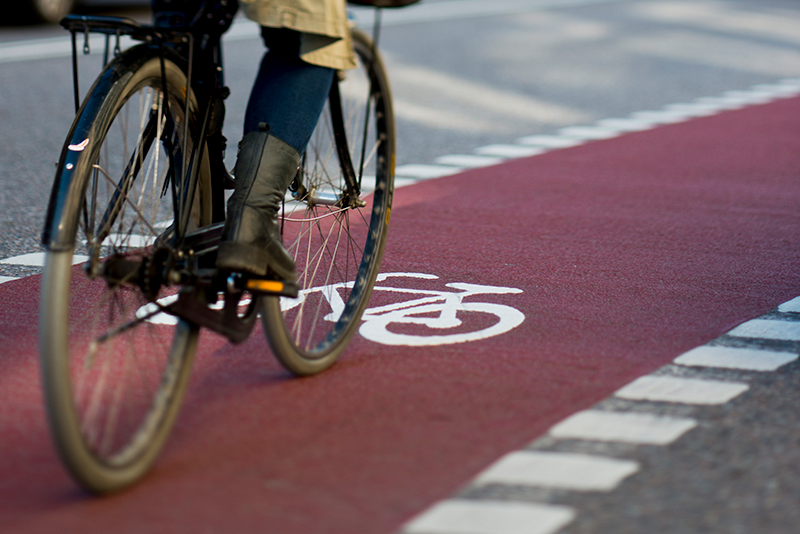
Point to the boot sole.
(254, 260)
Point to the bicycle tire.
(332, 245)
(114, 371)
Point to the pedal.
(238, 282)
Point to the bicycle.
(135, 218)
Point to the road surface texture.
(599, 265)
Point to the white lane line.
(681, 390)
(461, 516)
(785, 88)
(661, 116)
(578, 472)
(36, 259)
(722, 102)
(753, 96)
(549, 141)
(590, 132)
(403, 182)
(4, 279)
(694, 109)
(735, 358)
(418, 170)
(509, 151)
(626, 124)
(790, 306)
(768, 329)
(468, 160)
(130, 241)
(644, 429)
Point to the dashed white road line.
(468, 160)
(581, 472)
(403, 182)
(550, 141)
(793, 306)
(639, 428)
(662, 116)
(724, 102)
(562, 470)
(422, 171)
(754, 96)
(693, 109)
(36, 259)
(627, 124)
(509, 151)
(460, 516)
(736, 358)
(681, 390)
(4, 279)
(590, 132)
(768, 329)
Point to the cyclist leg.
(285, 104)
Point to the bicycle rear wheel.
(337, 249)
(114, 366)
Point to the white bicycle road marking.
(439, 312)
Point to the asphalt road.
(465, 77)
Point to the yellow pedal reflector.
(272, 286)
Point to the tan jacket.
(326, 36)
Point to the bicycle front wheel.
(114, 366)
(337, 248)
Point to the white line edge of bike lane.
(481, 515)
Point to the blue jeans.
(288, 93)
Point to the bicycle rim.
(114, 367)
(337, 250)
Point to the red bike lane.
(627, 252)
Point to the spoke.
(330, 269)
(128, 325)
(326, 242)
(312, 219)
(133, 206)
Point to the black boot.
(251, 239)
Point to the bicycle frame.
(203, 54)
